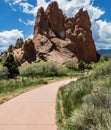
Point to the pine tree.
(12, 66)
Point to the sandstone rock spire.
(60, 39)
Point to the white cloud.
(27, 8)
(20, 20)
(104, 30)
(14, 1)
(9, 37)
(102, 34)
(17, 1)
(30, 37)
(42, 3)
(28, 22)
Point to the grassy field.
(31, 76)
(86, 103)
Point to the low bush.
(94, 113)
(3, 72)
(102, 69)
(73, 65)
(82, 66)
(44, 69)
(105, 58)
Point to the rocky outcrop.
(19, 43)
(72, 35)
(78, 31)
(26, 53)
(60, 39)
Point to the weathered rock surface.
(55, 19)
(58, 38)
(26, 53)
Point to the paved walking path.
(34, 110)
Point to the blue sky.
(17, 19)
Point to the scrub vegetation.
(86, 103)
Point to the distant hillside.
(105, 52)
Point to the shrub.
(104, 58)
(94, 113)
(102, 69)
(82, 66)
(43, 69)
(3, 72)
(73, 65)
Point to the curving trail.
(34, 110)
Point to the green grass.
(86, 103)
(70, 97)
(9, 86)
(14, 87)
(94, 113)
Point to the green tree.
(105, 58)
(12, 66)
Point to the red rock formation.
(55, 19)
(26, 53)
(41, 24)
(76, 30)
(58, 38)
(84, 43)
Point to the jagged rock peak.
(41, 25)
(59, 38)
(82, 19)
(55, 18)
(51, 21)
